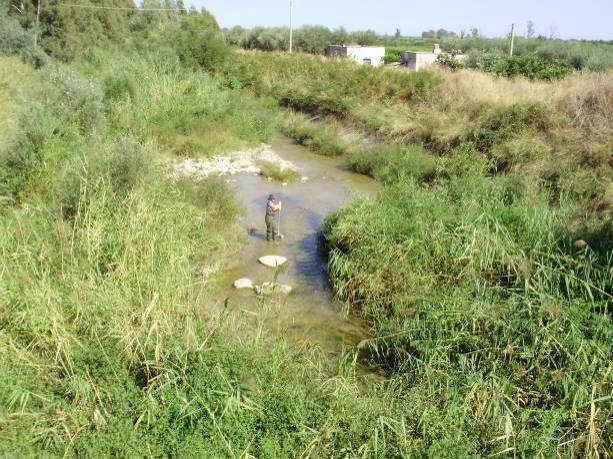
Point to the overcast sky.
(592, 19)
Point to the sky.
(589, 19)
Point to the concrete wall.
(417, 60)
(421, 60)
(371, 55)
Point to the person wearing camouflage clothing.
(272, 211)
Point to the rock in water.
(270, 288)
(272, 260)
(243, 283)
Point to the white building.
(417, 60)
(368, 55)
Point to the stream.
(309, 314)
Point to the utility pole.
(37, 23)
(291, 31)
(512, 39)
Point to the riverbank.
(484, 289)
(113, 341)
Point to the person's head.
(271, 197)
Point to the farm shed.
(417, 60)
(368, 55)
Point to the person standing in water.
(272, 211)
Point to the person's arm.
(276, 206)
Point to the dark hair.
(271, 197)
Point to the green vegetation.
(484, 267)
(531, 66)
(311, 85)
(575, 54)
(274, 172)
(322, 138)
(485, 270)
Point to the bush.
(198, 42)
(390, 163)
(530, 65)
(66, 108)
(15, 40)
(317, 137)
(118, 86)
(449, 61)
(502, 124)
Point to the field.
(484, 267)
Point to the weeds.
(274, 172)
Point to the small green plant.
(274, 172)
(449, 61)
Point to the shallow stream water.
(309, 314)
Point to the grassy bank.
(557, 136)
(111, 343)
(485, 266)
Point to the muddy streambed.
(309, 314)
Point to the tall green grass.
(483, 306)
(111, 342)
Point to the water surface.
(309, 314)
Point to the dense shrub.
(118, 86)
(326, 87)
(530, 65)
(68, 106)
(458, 277)
(449, 61)
(391, 162)
(199, 43)
(317, 137)
(14, 39)
(68, 31)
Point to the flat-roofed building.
(367, 55)
(417, 60)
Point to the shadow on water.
(309, 314)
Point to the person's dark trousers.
(272, 230)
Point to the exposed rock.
(243, 283)
(271, 288)
(236, 163)
(272, 261)
(580, 244)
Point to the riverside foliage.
(484, 268)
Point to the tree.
(364, 37)
(198, 41)
(428, 34)
(312, 39)
(397, 34)
(530, 30)
(339, 36)
(474, 32)
(66, 29)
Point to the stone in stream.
(270, 288)
(243, 283)
(272, 261)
